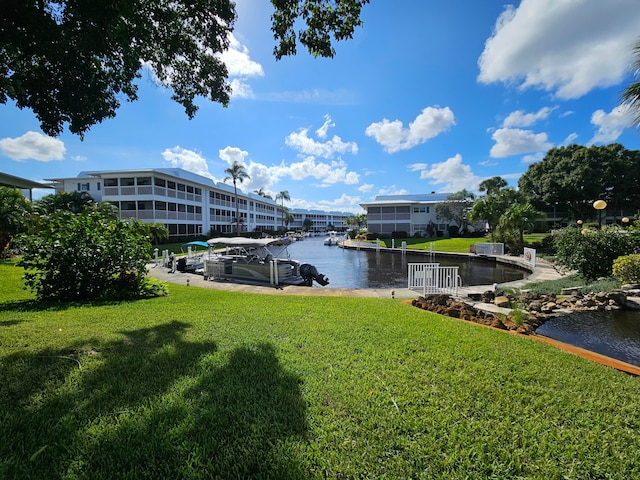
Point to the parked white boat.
(261, 261)
(332, 239)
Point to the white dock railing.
(432, 278)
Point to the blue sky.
(429, 95)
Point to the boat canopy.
(195, 243)
(247, 242)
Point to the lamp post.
(625, 222)
(579, 222)
(600, 205)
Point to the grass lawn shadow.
(154, 405)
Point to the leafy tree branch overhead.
(73, 62)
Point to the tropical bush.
(627, 268)
(592, 252)
(14, 217)
(85, 256)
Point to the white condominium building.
(405, 213)
(187, 203)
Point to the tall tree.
(237, 173)
(282, 196)
(72, 62)
(307, 224)
(575, 176)
(490, 208)
(455, 207)
(492, 185)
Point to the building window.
(171, 185)
(84, 187)
(110, 182)
(159, 182)
(144, 180)
(127, 182)
(127, 205)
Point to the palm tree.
(519, 217)
(283, 195)
(237, 173)
(288, 218)
(262, 193)
(631, 94)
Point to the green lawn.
(456, 245)
(211, 384)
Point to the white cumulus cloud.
(567, 47)
(322, 131)
(33, 146)
(393, 137)
(240, 68)
(327, 173)
(305, 145)
(610, 125)
(233, 154)
(514, 141)
(520, 118)
(452, 174)
(189, 160)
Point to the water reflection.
(371, 269)
(615, 333)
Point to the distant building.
(404, 213)
(320, 221)
(187, 203)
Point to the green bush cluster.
(592, 252)
(86, 256)
(627, 268)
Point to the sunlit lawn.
(454, 245)
(211, 384)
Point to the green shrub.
(86, 256)
(627, 268)
(592, 252)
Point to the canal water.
(615, 333)
(347, 268)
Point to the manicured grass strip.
(211, 384)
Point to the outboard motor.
(310, 273)
(182, 264)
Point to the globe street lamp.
(625, 222)
(600, 205)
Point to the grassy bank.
(212, 384)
